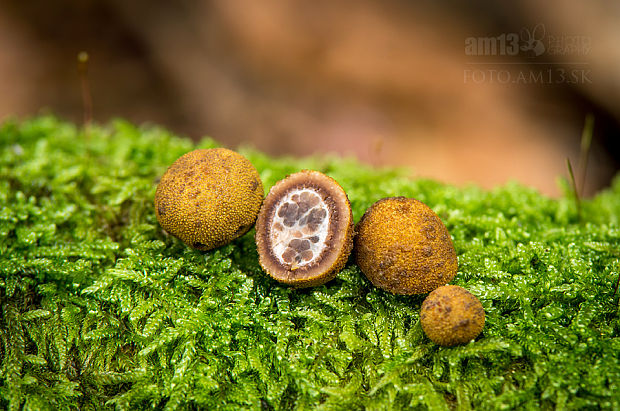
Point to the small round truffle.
(403, 247)
(209, 197)
(304, 229)
(451, 315)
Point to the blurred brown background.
(389, 82)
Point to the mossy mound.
(99, 308)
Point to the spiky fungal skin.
(338, 231)
(403, 247)
(209, 197)
(451, 315)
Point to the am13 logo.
(529, 42)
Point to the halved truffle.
(304, 230)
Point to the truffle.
(403, 247)
(451, 315)
(209, 197)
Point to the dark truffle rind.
(403, 247)
(451, 315)
(299, 267)
(209, 197)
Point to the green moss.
(101, 309)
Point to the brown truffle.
(209, 197)
(451, 315)
(304, 229)
(403, 247)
